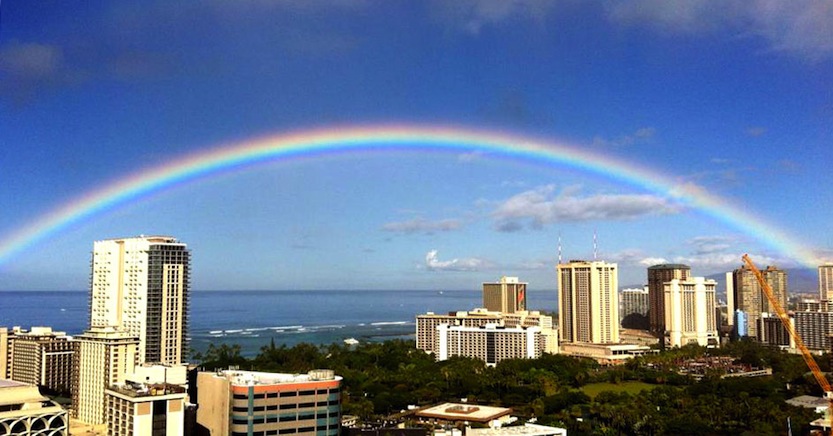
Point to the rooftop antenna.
(595, 245)
(559, 248)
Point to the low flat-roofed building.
(819, 404)
(241, 403)
(605, 353)
(24, 411)
(458, 412)
(527, 429)
(145, 409)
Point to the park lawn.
(631, 387)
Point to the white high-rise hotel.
(141, 285)
(589, 302)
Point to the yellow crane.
(805, 353)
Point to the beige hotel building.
(42, 357)
(588, 300)
(105, 357)
(690, 312)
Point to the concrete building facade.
(24, 411)
(690, 312)
(490, 343)
(239, 403)
(826, 282)
(506, 296)
(815, 329)
(634, 308)
(588, 300)
(42, 357)
(658, 275)
(771, 331)
(105, 357)
(142, 285)
(138, 409)
(427, 334)
(750, 298)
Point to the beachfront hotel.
(142, 285)
(466, 323)
(41, 357)
(240, 403)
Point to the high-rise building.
(815, 329)
(105, 357)
(750, 298)
(142, 285)
(491, 343)
(246, 403)
(42, 357)
(826, 282)
(24, 411)
(588, 302)
(771, 331)
(634, 306)
(658, 275)
(690, 312)
(507, 296)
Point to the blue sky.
(733, 97)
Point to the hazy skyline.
(731, 100)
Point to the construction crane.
(805, 353)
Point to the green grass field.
(631, 387)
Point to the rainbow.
(395, 137)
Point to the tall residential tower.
(658, 275)
(749, 297)
(588, 300)
(142, 285)
(826, 282)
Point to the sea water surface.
(253, 319)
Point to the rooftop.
(809, 402)
(464, 412)
(14, 392)
(524, 430)
(252, 378)
(670, 266)
(141, 390)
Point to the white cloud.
(800, 27)
(421, 225)
(544, 205)
(712, 244)
(651, 261)
(641, 135)
(472, 16)
(432, 262)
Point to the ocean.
(254, 318)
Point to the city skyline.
(643, 112)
